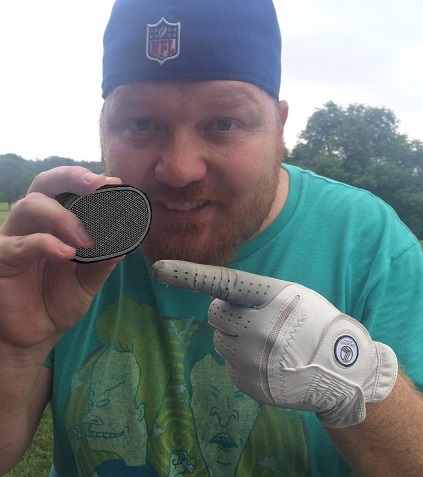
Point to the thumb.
(233, 286)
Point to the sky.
(346, 51)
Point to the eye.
(142, 125)
(239, 395)
(223, 125)
(103, 403)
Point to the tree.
(16, 175)
(56, 161)
(361, 145)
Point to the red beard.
(216, 243)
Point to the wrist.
(15, 357)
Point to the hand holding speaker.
(42, 292)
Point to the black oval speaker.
(117, 216)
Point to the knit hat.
(150, 40)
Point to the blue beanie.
(150, 40)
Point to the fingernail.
(111, 179)
(89, 177)
(84, 235)
(65, 249)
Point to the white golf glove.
(287, 346)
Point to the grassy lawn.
(4, 210)
(37, 460)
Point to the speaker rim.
(104, 189)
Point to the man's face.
(207, 154)
(114, 422)
(224, 416)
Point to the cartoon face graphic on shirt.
(223, 416)
(115, 421)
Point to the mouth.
(184, 212)
(224, 441)
(184, 206)
(105, 435)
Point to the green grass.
(4, 210)
(37, 460)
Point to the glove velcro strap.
(316, 388)
(384, 376)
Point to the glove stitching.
(288, 323)
(377, 373)
(270, 339)
(293, 322)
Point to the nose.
(91, 418)
(225, 414)
(182, 159)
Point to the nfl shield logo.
(163, 39)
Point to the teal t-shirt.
(139, 390)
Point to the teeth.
(106, 435)
(183, 207)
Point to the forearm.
(24, 394)
(388, 442)
(42, 295)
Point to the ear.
(283, 110)
(141, 411)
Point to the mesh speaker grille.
(118, 219)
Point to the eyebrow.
(223, 98)
(112, 387)
(231, 102)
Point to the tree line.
(17, 173)
(359, 145)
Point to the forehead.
(207, 93)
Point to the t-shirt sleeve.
(394, 309)
(49, 361)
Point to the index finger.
(76, 179)
(233, 286)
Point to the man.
(192, 117)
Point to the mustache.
(191, 193)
